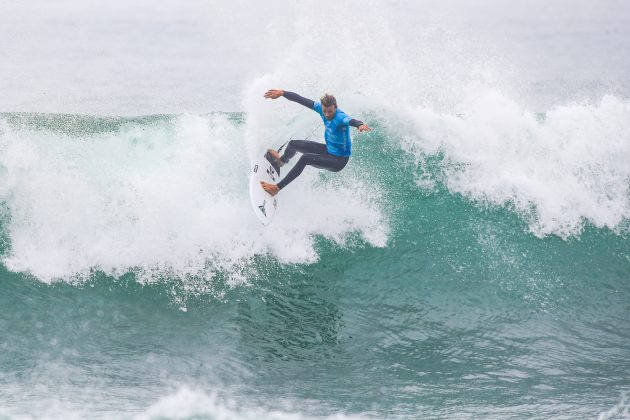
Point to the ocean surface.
(471, 261)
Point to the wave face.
(118, 231)
(471, 261)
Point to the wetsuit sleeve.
(292, 96)
(355, 123)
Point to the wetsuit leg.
(321, 161)
(302, 146)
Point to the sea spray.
(166, 195)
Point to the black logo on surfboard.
(271, 173)
(262, 208)
(273, 162)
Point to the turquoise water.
(471, 261)
(425, 302)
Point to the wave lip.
(559, 171)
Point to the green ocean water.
(463, 312)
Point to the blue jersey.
(337, 134)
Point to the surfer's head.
(329, 106)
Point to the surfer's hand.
(363, 128)
(274, 93)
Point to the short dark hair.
(328, 100)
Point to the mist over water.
(117, 58)
(472, 260)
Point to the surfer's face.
(329, 111)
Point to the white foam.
(187, 403)
(184, 403)
(167, 197)
(439, 94)
(559, 173)
(620, 411)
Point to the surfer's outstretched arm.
(292, 96)
(310, 104)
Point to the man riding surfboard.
(333, 155)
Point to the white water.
(560, 173)
(187, 403)
(163, 197)
(466, 81)
(184, 403)
(435, 91)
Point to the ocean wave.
(560, 170)
(160, 196)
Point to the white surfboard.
(263, 203)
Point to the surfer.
(333, 155)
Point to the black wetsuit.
(313, 153)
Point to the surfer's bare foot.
(276, 156)
(270, 188)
